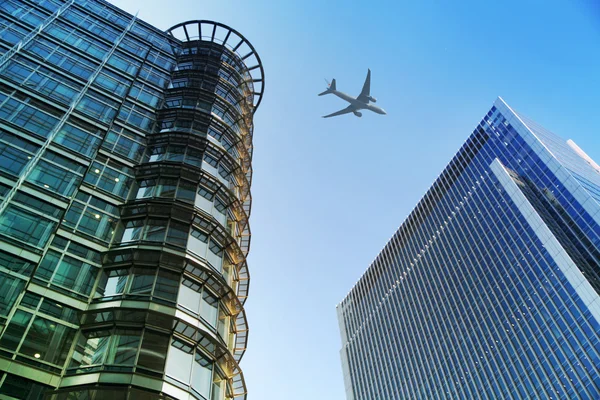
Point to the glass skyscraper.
(125, 171)
(489, 288)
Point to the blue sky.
(328, 194)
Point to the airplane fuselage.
(357, 104)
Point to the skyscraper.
(125, 171)
(489, 288)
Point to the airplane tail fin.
(330, 88)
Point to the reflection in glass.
(202, 375)
(125, 348)
(179, 361)
(48, 341)
(154, 351)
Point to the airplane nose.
(383, 112)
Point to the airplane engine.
(357, 113)
(373, 99)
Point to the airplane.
(356, 103)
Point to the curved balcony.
(186, 177)
(178, 225)
(139, 346)
(240, 48)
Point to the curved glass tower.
(125, 172)
(490, 287)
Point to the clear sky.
(329, 193)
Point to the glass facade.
(490, 287)
(125, 171)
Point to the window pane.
(143, 280)
(210, 308)
(202, 375)
(11, 288)
(12, 160)
(155, 230)
(179, 361)
(154, 350)
(166, 285)
(15, 330)
(78, 140)
(189, 297)
(48, 341)
(91, 349)
(69, 272)
(178, 233)
(126, 346)
(25, 226)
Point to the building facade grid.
(487, 289)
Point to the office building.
(489, 288)
(125, 171)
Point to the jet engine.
(373, 99)
(357, 113)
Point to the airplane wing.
(346, 110)
(366, 90)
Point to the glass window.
(189, 296)
(167, 187)
(179, 361)
(198, 242)
(11, 33)
(84, 142)
(125, 348)
(124, 143)
(209, 309)
(12, 287)
(91, 348)
(67, 272)
(186, 191)
(177, 233)
(38, 205)
(223, 325)
(48, 341)
(61, 57)
(204, 200)
(113, 83)
(90, 218)
(60, 311)
(14, 386)
(77, 39)
(27, 117)
(167, 285)
(137, 116)
(202, 375)
(145, 94)
(219, 385)
(15, 264)
(96, 106)
(133, 46)
(15, 330)
(133, 230)
(111, 177)
(154, 350)
(26, 226)
(57, 174)
(155, 76)
(115, 283)
(146, 189)
(215, 255)
(156, 230)
(124, 63)
(143, 280)
(12, 160)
